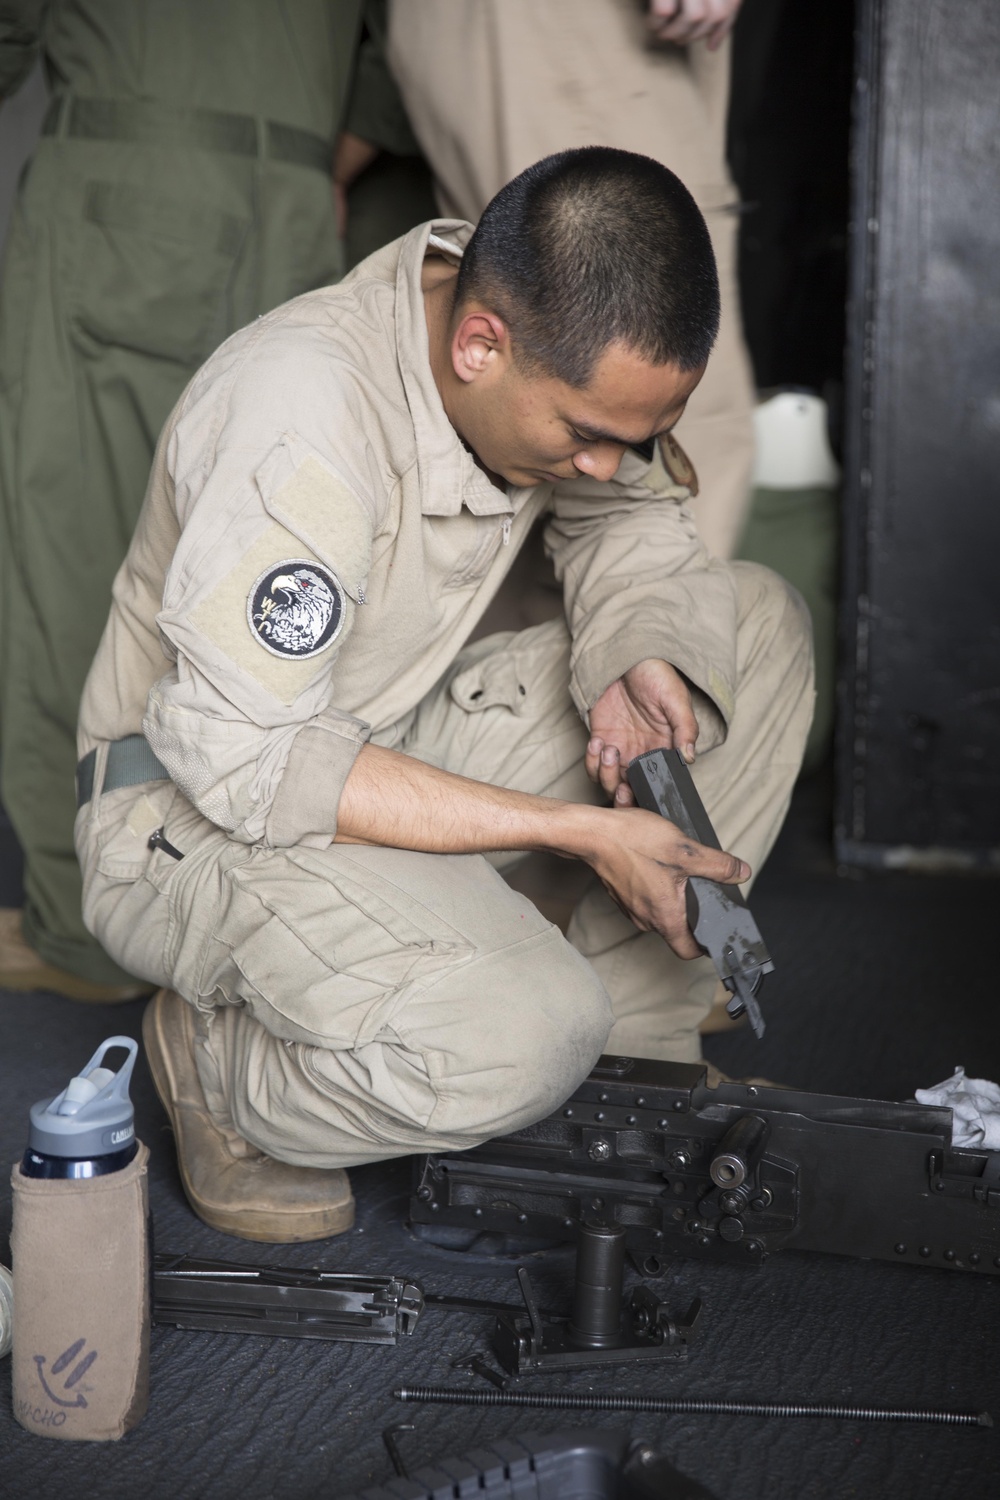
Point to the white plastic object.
(83, 1088)
(792, 448)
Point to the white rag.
(975, 1107)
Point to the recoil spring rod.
(688, 1406)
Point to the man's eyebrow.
(599, 435)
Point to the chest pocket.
(307, 499)
(464, 546)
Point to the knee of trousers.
(489, 1046)
(542, 1020)
(776, 610)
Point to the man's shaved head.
(590, 248)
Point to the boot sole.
(246, 1224)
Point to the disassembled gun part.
(735, 1158)
(718, 915)
(449, 1303)
(443, 1395)
(389, 1435)
(729, 1173)
(600, 1331)
(282, 1301)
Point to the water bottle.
(81, 1259)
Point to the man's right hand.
(393, 800)
(645, 861)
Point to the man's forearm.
(392, 800)
(401, 803)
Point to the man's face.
(532, 428)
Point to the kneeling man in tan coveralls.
(297, 787)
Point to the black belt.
(130, 762)
(152, 124)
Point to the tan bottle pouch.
(81, 1312)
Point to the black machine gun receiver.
(732, 1173)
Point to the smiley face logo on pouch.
(72, 1379)
(296, 609)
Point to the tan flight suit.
(491, 86)
(315, 546)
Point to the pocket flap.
(495, 681)
(305, 496)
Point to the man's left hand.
(647, 709)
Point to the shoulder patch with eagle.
(296, 609)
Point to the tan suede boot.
(21, 968)
(229, 1183)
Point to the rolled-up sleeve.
(319, 763)
(638, 584)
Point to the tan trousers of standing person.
(492, 86)
(358, 1003)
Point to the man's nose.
(599, 462)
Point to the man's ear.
(479, 344)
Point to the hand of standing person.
(351, 155)
(684, 21)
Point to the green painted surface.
(796, 532)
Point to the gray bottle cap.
(93, 1116)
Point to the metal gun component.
(474, 1361)
(285, 1302)
(389, 1435)
(733, 1173)
(717, 914)
(735, 1159)
(443, 1395)
(601, 1330)
(448, 1303)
